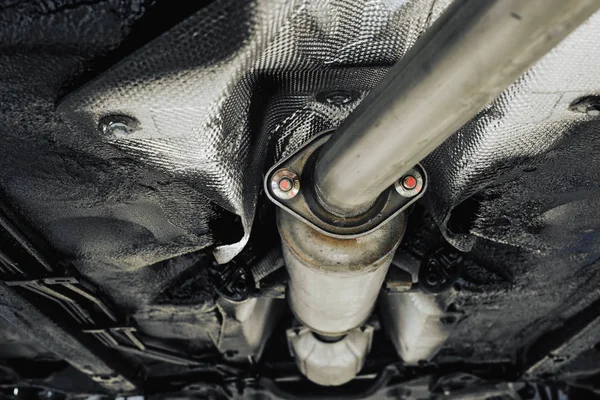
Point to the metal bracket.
(43, 287)
(303, 204)
(111, 337)
(9, 267)
(134, 345)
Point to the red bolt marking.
(285, 184)
(409, 182)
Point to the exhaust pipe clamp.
(305, 206)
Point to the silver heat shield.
(234, 87)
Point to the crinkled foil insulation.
(234, 87)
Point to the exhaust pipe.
(467, 58)
(474, 51)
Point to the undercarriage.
(298, 199)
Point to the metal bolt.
(117, 126)
(433, 278)
(410, 184)
(285, 184)
(438, 271)
(338, 97)
(117, 129)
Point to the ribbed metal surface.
(235, 87)
(528, 119)
(200, 90)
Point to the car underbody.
(275, 199)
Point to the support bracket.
(305, 206)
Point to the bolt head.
(117, 126)
(411, 184)
(116, 129)
(338, 97)
(432, 279)
(285, 184)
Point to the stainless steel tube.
(334, 283)
(466, 59)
